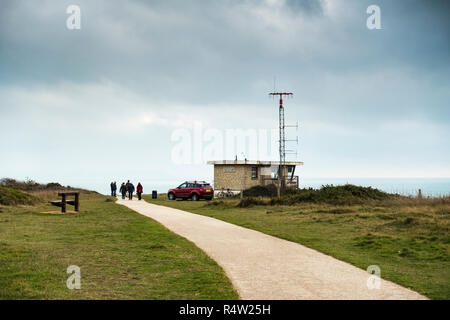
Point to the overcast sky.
(84, 107)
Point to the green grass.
(122, 255)
(408, 239)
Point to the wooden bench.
(63, 202)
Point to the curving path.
(265, 267)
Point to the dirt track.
(265, 267)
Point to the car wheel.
(195, 197)
(171, 196)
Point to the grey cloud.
(199, 54)
(207, 55)
(311, 6)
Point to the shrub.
(28, 185)
(31, 185)
(250, 201)
(337, 195)
(54, 185)
(12, 197)
(261, 191)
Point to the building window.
(228, 169)
(274, 173)
(254, 172)
(290, 171)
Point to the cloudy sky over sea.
(111, 100)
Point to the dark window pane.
(254, 172)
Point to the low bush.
(261, 191)
(250, 201)
(337, 195)
(31, 185)
(54, 185)
(12, 197)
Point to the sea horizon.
(433, 187)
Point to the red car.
(195, 190)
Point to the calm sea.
(434, 187)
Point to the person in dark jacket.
(113, 189)
(130, 190)
(139, 190)
(126, 185)
(123, 190)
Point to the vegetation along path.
(265, 267)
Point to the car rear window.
(205, 185)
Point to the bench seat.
(64, 201)
(58, 203)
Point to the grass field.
(122, 255)
(407, 238)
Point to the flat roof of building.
(255, 162)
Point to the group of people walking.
(127, 189)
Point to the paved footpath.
(265, 267)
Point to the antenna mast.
(282, 141)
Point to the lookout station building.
(244, 174)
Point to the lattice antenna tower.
(282, 140)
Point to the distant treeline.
(30, 185)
